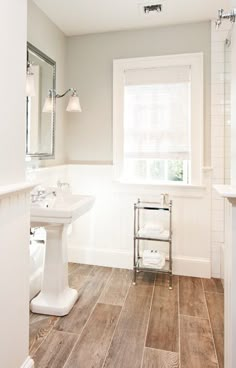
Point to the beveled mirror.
(40, 126)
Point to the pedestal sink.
(56, 298)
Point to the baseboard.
(29, 363)
(196, 267)
(101, 257)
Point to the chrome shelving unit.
(138, 265)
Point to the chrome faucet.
(62, 185)
(41, 194)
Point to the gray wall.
(89, 68)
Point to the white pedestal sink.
(56, 298)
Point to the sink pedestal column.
(55, 298)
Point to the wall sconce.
(73, 104)
(30, 84)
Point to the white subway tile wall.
(220, 138)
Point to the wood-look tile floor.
(115, 324)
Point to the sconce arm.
(69, 90)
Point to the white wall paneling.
(228, 192)
(14, 280)
(48, 176)
(104, 236)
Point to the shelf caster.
(134, 282)
(170, 288)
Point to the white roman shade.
(157, 113)
(161, 75)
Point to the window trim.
(195, 61)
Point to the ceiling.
(75, 17)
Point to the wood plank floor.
(115, 324)
(215, 303)
(154, 358)
(163, 331)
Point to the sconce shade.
(30, 85)
(73, 104)
(48, 104)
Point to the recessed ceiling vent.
(152, 9)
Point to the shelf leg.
(135, 254)
(134, 277)
(170, 282)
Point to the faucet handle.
(41, 191)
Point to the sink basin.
(56, 214)
(61, 210)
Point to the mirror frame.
(42, 155)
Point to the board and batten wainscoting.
(229, 193)
(104, 235)
(14, 280)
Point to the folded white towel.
(153, 261)
(158, 227)
(153, 258)
(164, 235)
(152, 254)
(156, 264)
(153, 234)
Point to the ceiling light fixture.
(73, 104)
(157, 8)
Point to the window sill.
(173, 189)
(161, 185)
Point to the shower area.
(223, 171)
(227, 134)
(224, 26)
(221, 46)
(227, 105)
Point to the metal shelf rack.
(138, 265)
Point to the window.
(158, 119)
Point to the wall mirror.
(40, 126)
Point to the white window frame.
(195, 61)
